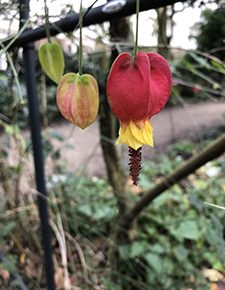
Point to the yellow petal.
(125, 137)
(144, 135)
(134, 136)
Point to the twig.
(214, 205)
(81, 256)
(202, 88)
(62, 245)
(66, 273)
(22, 250)
(214, 150)
(5, 48)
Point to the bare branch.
(214, 150)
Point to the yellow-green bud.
(52, 60)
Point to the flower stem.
(81, 43)
(47, 28)
(137, 22)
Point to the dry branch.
(214, 150)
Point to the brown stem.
(214, 150)
(119, 30)
(163, 40)
(115, 173)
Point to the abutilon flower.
(78, 99)
(137, 89)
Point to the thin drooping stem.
(47, 28)
(137, 23)
(81, 42)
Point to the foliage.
(199, 76)
(201, 73)
(212, 32)
(177, 237)
(13, 110)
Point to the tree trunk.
(119, 31)
(163, 40)
(115, 172)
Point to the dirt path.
(82, 151)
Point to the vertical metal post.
(29, 63)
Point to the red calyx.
(138, 89)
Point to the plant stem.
(47, 28)
(137, 22)
(81, 43)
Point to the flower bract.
(78, 98)
(52, 60)
(137, 89)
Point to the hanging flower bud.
(137, 89)
(52, 60)
(78, 99)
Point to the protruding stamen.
(135, 164)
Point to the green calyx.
(83, 79)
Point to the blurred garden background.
(177, 242)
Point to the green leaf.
(110, 285)
(138, 248)
(9, 263)
(124, 252)
(7, 228)
(85, 209)
(157, 249)
(187, 230)
(195, 201)
(101, 211)
(168, 266)
(200, 184)
(193, 69)
(200, 60)
(11, 129)
(218, 65)
(154, 261)
(168, 197)
(133, 250)
(180, 252)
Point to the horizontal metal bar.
(94, 16)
